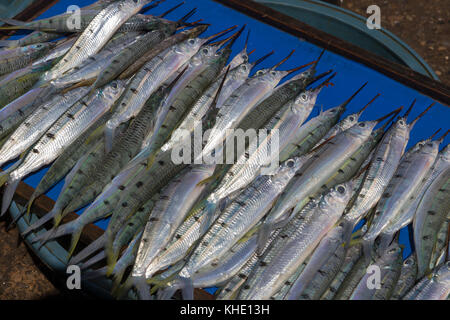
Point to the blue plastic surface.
(350, 75)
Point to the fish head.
(243, 70)
(362, 129)
(339, 195)
(306, 100)
(429, 147)
(410, 262)
(294, 164)
(132, 6)
(190, 47)
(445, 153)
(114, 89)
(350, 120)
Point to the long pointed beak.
(152, 6)
(171, 10)
(411, 125)
(392, 118)
(323, 84)
(222, 42)
(235, 36)
(210, 38)
(252, 52)
(443, 136)
(246, 41)
(299, 68)
(434, 134)
(283, 61)
(190, 24)
(261, 59)
(353, 95)
(409, 109)
(368, 104)
(197, 30)
(395, 112)
(318, 59)
(320, 76)
(186, 16)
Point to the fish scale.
(407, 278)
(147, 80)
(400, 191)
(96, 34)
(23, 56)
(240, 216)
(200, 107)
(436, 287)
(177, 107)
(439, 253)
(301, 242)
(32, 38)
(286, 122)
(430, 214)
(351, 258)
(37, 123)
(169, 212)
(62, 133)
(323, 263)
(389, 265)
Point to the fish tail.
(111, 258)
(8, 195)
(76, 234)
(63, 230)
(89, 250)
(263, 237)
(41, 221)
(29, 204)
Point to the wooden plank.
(427, 86)
(35, 9)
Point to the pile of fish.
(108, 104)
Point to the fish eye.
(393, 250)
(192, 41)
(205, 51)
(352, 119)
(362, 124)
(273, 73)
(340, 189)
(290, 163)
(259, 72)
(114, 85)
(304, 97)
(409, 262)
(245, 57)
(401, 122)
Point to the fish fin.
(206, 181)
(39, 223)
(76, 234)
(95, 135)
(54, 233)
(89, 250)
(210, 209)
(151, 160)
(8, 195)
(3, 178)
